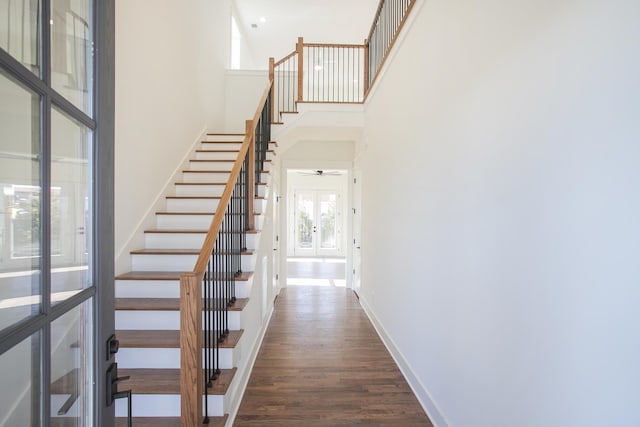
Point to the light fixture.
(263, 19)
(317, 67)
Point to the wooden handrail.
(338, 45)
(209, 241)
(391, 44)
(283, 60)
(191, 370)
(375, 19)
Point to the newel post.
(191, 377)
(366, 67)
(250, 131)
(272, 75)
(300, 51)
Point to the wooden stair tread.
(204, 197)
(165, 339)
(164, 304)
(208, 183)
(210, 171)
(177, 231)
(66, 384)
(224, 134)
(162, 422)
(178, 252)
(167, 381)
(231, 150)
(220, 160)
(168, 275)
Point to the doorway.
(316, 219)
(317, 227)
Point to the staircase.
(148, 297)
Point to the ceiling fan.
(320, 172)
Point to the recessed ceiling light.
(263, 19)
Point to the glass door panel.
(19, 31)
(71, 373)
(19, 399)
(71, 51)
(327, 204)
(20, 244)
(70, 202)
(317, 223)
(304, 223)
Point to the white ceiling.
(318, 21)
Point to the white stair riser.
(147, 289)
(219, 166)
(225, 138)
(193, 222)
(214, 177)
(184, 222)
(161, 262)
(216, 155)
(222, 155)
(192, 205)
(205, 176)
(185, 240)
(213, 190)
(165, 358)
(204, 205)
(212, 165)
(165, 288)
(217, 145)
(161, 320)
(173, 240)
(164, 405)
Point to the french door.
(56, 209)
(318, 220)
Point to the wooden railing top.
(210, 240)
(292, 54)
(375, 19)
(338, 45)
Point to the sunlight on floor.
(299, 281)
(315, 260)
(307, 271)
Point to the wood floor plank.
(322, 363)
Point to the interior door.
(357, 230)
(317, 223)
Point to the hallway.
(322, 364)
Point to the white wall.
(243, 91)
(170, 63)
(502, 147)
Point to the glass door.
(56, 201)
(317, 223)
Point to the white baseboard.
(421, 392)
(236, 399)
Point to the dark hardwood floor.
(323, 364)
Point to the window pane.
(19, 202)
(71, 373)
(328, 223)
(19, 35)
(20, 398)
(70, 207)
(304, 219)
(71, 51)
